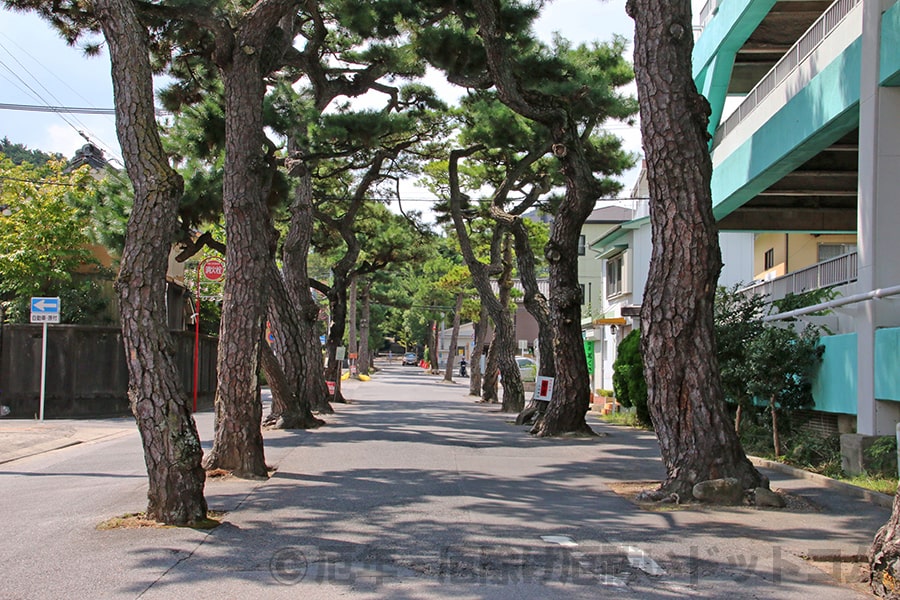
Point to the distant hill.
(19, 153)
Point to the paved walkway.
(411, 491)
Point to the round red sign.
(214, 269)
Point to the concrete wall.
(86, 371)
(737, 258)
(834, 387)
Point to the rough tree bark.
(291, 408)
(341, 272)
(431, 346)
(491, 380)
(244, 57)
(454, 338)
(684, 392)
(505, 337)
(571, 390)
(482, 332)
(538, 307)
(296, 278)
(352, 321)
(365, 356)
(884, 557)
(172, 450)
(503, 347)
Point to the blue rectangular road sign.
(45, 310)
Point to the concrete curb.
(877, 498)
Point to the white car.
(527, 368)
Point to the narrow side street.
(413, 490)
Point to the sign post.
(543, 388)
(212, 269)
(44, 310)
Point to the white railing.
(836, 271)
(799, 52)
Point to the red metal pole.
(197, 339)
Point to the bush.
(881, 457)
(812, 452)
(629, 384)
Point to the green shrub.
(812, 452)
(881, 457)
(628, 378)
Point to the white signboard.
(45, 310)
(340, 352)
(543, 388)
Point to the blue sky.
(38, 68)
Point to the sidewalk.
(21, 438)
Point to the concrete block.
(853, 452)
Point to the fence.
(799, 52)
(86, 371)
(836, 271)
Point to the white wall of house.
(737, 258)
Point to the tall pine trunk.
(238, 442)
(505, 337)
(432, 346)
(565, 414)
(454, 337)
(684, 392)
(776, 436)
(290, 409)
(314, 389)
(884, 556)
(490, 380)
(365, 355)
(503, 347)
(352, 322)
(482, 332)
(172, 451)
(571, 390)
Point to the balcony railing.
(836, 271)
(784, 67)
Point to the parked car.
(410, 358)
(527, 368)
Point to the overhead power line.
(83, 110)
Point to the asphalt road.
(413, 491)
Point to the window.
(829, 251)
(769, 259)
(583, 294)
(581, 245)
(614, 274)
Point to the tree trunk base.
(528, 415)
(884, 557)
(323, 407)
(541, 430)
(684, 488)
(292, 422)
(214, 462)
